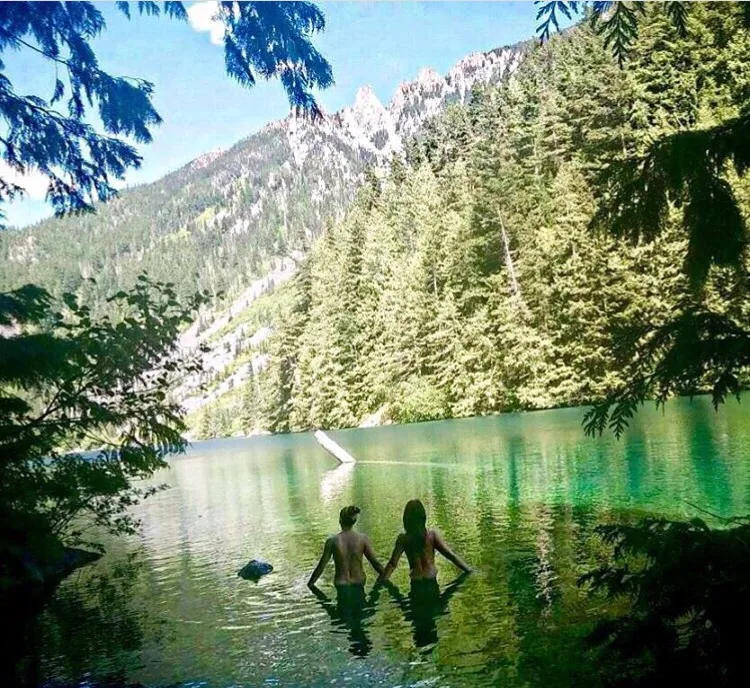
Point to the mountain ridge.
(477, 68)
(228, 219)
(280, 184)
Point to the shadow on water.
(422, 607)
(91, 631)
(350, 612)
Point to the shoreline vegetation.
(380, 419)
(476, 275)
(576, 233)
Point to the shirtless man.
(347, 548)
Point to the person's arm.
(372, 557)
(398, 550)
(449, 554)
(318, 592)
(324, 558)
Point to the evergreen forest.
(469, 279)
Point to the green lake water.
(518, 496)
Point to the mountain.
(220, 221)
(237, 221)
(469, 281)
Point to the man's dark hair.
(348, 516)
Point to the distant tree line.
(482, 275)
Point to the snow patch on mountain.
(301, 173)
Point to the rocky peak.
(366, 102)
(206, 159)
(416, 101)
(483, 68)
(428, 77)
(370, 124)
(375, 132)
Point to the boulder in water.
(254, 569)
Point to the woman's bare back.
(422, 564)
(422, 561)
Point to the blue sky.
(375, 43)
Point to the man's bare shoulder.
(365, 540)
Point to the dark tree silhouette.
(684, 629)
(616, 22)
(698, 347)
(690, 597)
(54, 135)
(68, 380)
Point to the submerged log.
(330, 446)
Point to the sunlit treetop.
(616, 22)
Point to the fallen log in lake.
(333, 448)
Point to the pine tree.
(249, 406)
(468, 280)
(79, 161)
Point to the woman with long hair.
(420, 544)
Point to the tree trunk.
(509, 265)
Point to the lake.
(518, 496)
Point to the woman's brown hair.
(415, 520)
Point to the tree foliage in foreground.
(69, 381)
(699, 349)
(688, 170)
(616, 22)
(468, 280)
(689, 586)
(687, 583)
(77, 136)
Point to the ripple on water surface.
(518, 496)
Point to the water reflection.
(334, 482)
(94, 625)
(351, 611)
(521, 494)
(422, 607)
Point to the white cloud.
(201, 17)
(33, 182)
